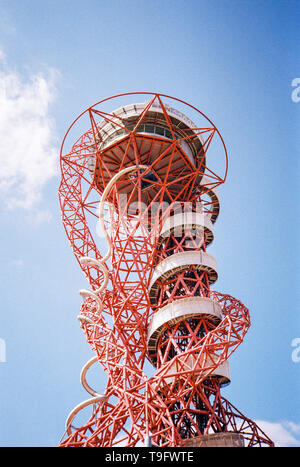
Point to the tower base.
(218, 440)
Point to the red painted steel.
(181, 398)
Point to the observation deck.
(170, 135)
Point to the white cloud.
(283, 434)
(28, 153)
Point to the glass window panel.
(160, 131)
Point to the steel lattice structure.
(143, 172)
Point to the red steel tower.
(147, 175)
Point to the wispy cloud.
(2, 56)
(39, 216)
(283, 434)
(28, 152)
(17, 263)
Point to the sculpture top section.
(153, 133)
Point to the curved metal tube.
(104, 196)
(82, 405)
(84, 371)
(86, 260)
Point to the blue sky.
(233, 59)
